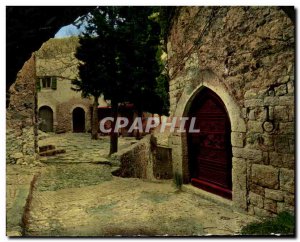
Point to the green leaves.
(118, 57)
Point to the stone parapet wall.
(246, 56)
(145, 159)
(136, 160)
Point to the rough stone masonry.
(246, 56)
(21, 118)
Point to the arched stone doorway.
(210, 151)
(46, 119)
(78, 117)
(179, 143)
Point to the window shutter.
(54, 83)
(38, 84)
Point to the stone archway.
(209, 151)
(46, 119)
(78, 118)
(179, 143)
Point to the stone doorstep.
(52, 152)
(72, 160)
(46, 147)
(207, 195)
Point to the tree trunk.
(114, 135)
(95, 119)
(140, 115)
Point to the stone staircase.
(50, 150)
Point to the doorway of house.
(78, 118)
(210, 152)
(46, 119)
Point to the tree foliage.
(120, 59)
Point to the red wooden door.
(210, 156)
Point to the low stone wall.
(145, 160)
(136, 160)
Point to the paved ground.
(18, 187)
(79, 147)
(84, 199)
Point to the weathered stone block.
(270, 205)
(255, 126)
(281, 143)
(254, 155)
(290, 87)
(261, 212)
(266, 176)
(254, 103)
(287, 101)
(276, 195)
(282, 207)
(251, 210)
(237, 139)
(17, 155)
(239, 180)
(266, 159)
(289, 199)
(271, 101)
(251, 114)
(287, 180)
(282, 160)
(291, 113)
(281, 90)
(256, 113)
(267, 142)
(283, 79)
(256, 200)
(251, 94)
(257, 189)
(287, 128)
(281, 113)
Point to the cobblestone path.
(80, 147)
(75, 196)
(85, 200)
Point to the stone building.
(60, 109)
(233, 69)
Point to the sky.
(68, 30)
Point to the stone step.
(52, 152)
(46, 147)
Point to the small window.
(48, 82)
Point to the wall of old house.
(57, 58)
(21, 141)
(246, 56)
(65, 114)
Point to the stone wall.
(64, 118)
(136, 160)
(246, 56)
(144, 159)
(21, 142)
